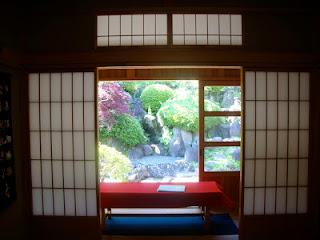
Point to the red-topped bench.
(208, 195)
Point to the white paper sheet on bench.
(171, 188)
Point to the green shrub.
(183, 114)
(221, 159)
(128, 131)
(130, 86)
(103, 134)
(212, 122)
(154, 95)
(113, 164)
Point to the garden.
(148, 130)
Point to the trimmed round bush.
(183, 114)
(128, 131)
(113, 164)
(154, 95)
(130, 86)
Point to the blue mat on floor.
(221, 224)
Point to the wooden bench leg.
(103, 218)
(203, 210)
(109, 213)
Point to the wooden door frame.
(202, 83)
(252, 223)
(225, 75)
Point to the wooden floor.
(177, 211)
(208, 237)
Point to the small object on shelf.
(8, 155)
(6, 106)
(171, 188)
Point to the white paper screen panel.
(132, 30)
(276, 134)
(206, 29)
(62, 143)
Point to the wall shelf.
(7, 172)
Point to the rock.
(209, 166)
(167, 179)
(228, 99)
(181, 165)
(132, 178)
(235, 128)
(176, 145)
(176, 132)
(143, 173)
(147, 150)
(158, 167)
(236, 106)
(195, 138)
(160, 170)
(116, 144)
(217, 139)
(152, 128)
(236, 154)
(218, 157)
(222, 130)
(225, 129)
(135, 153)
(187, 138)
(158, 149)
(191, 168)
(167, 169)
(139, 174)
(227, 140)
(150, 120)
(137, 109)
(191, 154)
(176, 148)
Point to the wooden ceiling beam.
(171, 73)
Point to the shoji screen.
(63, 143)
(132, 30)
(207, 29)
(276, 142)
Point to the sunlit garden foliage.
(114, 165)
(154, 95)
(113, 101)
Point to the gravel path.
(153, 160)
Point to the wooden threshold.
(187, 210)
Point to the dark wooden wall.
(68, 26)
(13, 220)
(71, 32)
(60, 35)
(8, 26)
